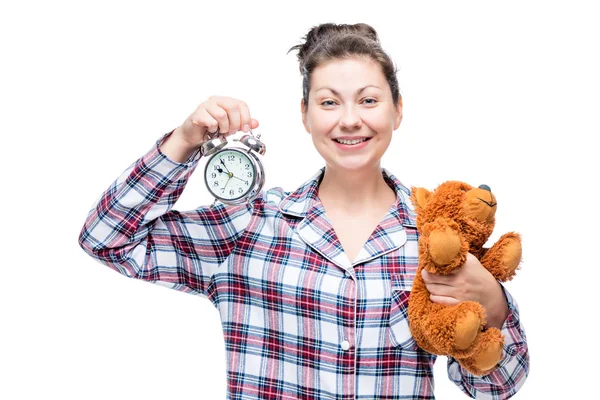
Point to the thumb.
(427, 276)
(253, 124)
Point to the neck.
(356, 189)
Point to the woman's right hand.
(227, 114)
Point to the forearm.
(497, 310)
(133, 229)
(123, 215)
(176, 148)
(512, 370)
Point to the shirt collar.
(300, 201)
(316, 229)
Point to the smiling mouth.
(491, 204)
(351, 142)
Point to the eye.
(373, 101)
(327, 101)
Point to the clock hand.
(229, 174)
(228, 179)
(226, 169)
(243, 180)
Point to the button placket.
(347, 333)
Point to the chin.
(347, 165)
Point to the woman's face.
(350, 101)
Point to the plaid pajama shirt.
(300, 321)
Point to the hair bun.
(319, 33)
(330, 41)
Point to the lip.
(352, 137)
(351, 147)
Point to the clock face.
(230, 174)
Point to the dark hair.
(330, 41)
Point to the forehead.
(347, 74)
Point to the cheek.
(380, 120)
(381, 117)
(322, 125)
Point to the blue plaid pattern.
(300, 320)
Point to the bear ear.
(419, 197)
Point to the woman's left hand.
(472, 282)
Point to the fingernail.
(246, 128)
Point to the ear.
(303, 112)
(398, 114)
(419, 197)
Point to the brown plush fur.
(453, 220)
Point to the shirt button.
(345, 345)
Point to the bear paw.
(466, 330)
(512, 256)
(488, 356)
(444, 246)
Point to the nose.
(485, 187)
(350, 118)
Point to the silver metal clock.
(234, 173)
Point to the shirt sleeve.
(133, 229)
(504, 381)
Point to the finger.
(428, 277)
(234, 118)
(231, 107)
(205, 121)
(449, 301)
(440, 290)
(220, 114)
(245, 119)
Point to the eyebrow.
(337, 93)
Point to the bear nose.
(485, 187)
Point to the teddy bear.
(453, 220)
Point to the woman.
(311, 285)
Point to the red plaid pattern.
(300, 320)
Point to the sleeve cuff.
(165, 167)
(514, 335)
(195, 156)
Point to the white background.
(502, 93)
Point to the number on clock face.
(230, 174)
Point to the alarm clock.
(234, 173)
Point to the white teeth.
(350, 141)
